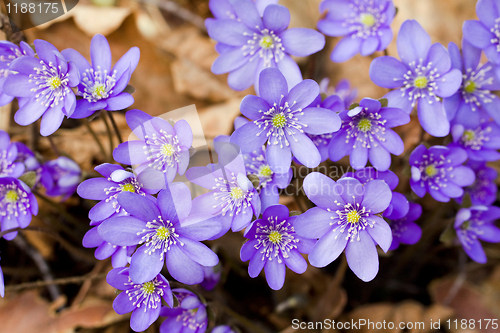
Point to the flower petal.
(275, 273)
(302, 42)
(413, 42)
(328, 248)
(362, 256)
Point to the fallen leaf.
(409, 312)
(28, 312)
(94, 19)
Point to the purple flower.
(17, 205)
(439, 171)
(484, 190)
(43, 87)
(282, 119)
(223, 9)
(189, 317)
(28, 158)
(485, 33)
(366, 135)
(474, 224)
(166, 232)
(423, 75)
(61, 177)
(8, 53)
(342, 89)
(322, 141)
(365, 25)
(161, 146)
(473, 101)
(273, 245)
(256, 164)
(212, 277)
(116, 180)
(120, 255)
(232, 195)
(100, 85)
(144, 300)
(404, 229)
(9, 166)
(480, 143)
(346, 218)
(254, 43)
(269, 181)
(399, 205)
(223, 329)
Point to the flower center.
(279, 120)
(431, 170)
(54, 82)
(367, 19)
(167, 149)
(99, 90)
(11, 196)
(159, 236)
(421, 82)
(162, 233)
(236, 193)
(148, 288)
(128, 188)
(266, 42)
(353, 217)
(470, 86)
(275, 237)
(265, 171)
(469, 135)
(364, 125)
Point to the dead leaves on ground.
(28, 312)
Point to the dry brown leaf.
(41, 242)
(188, 43)
(99, 20)
(201, 84)
(470, 301)
(406, 312)
(218, 119)
(27, 312)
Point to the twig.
(76, 251)
(88, 283)
(115, 127)
(243, 321)
(62, 281)
(459, 281)
(42, 266)
(60, 208)
(94, 135)
(11, 30)
(181, 12)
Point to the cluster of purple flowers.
(45, 82)
(146, 219)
